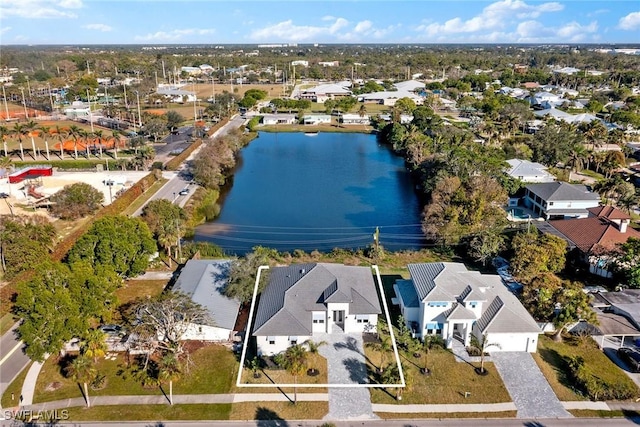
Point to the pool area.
(518, 214)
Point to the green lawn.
(151, 413)
(211, 372)
(551, 360)
(279, 411)
(6, 322)
(447, 383)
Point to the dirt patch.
(53, 386)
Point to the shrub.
(76, 201)
(595, 387)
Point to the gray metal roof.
(459, 312)
(204, 281)
(527, 169)
(447, 281)
(560, 191)
(294, 292)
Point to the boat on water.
(311, 133)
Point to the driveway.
(610, 346)
(528, 388)
(346, 365)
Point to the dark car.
(631, 357)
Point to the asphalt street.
(12, 359)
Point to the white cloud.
(174, 35)
(493, 18)
(98, 27)
(335, 28)
(39, 9)
(5, 30)
(630, 22)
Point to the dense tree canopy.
(76, 201)
(24, 242)
(59, 302)
(119, 242)
(536, 253)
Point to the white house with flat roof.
(304, 300)
(527, 171)
(446, 299)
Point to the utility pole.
(90, 114)
(6, 107)
(24, 104)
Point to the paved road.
(12, 359)
(177, 142)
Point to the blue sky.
(298, 21)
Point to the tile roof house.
(558, 200)
(446, 299)
(204, 281)
(527, 171)
(594, 236)
(304, 300)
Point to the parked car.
(184, 192)
(631, 357)
(112, 330)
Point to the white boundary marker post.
(247, 337)
(247, 334)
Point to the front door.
(338, 316)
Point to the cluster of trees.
(76, 201)
(251, 98)
(537, 258)
(216, 158)
(288, 104)
(156, 126)
(24, 242)
(60, 300)
(343, 104)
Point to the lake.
(298, 191)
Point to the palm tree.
(116, 140)
(170, 370)
(82, 371)
(87, 135)
(383, 346)
(75, 132)
(4, 133)
(314, 346)
(19, 131)
(99, 135)
(362, 111)
(31, 129)
(94, 344)
(482, 347)
(45, 131)
(429, 343)
(61, 135)
(295, 362)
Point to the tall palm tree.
(482, 346)
(117, 136)
(19, 132)
(61, 135)
(429, 343)
(46, 132)
(170, 370)
(99, 135)
(87, 135)
(295, 362)
(75, 132)
(31, 129)
(82, 371)
(4, 134)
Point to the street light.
(90, 115)
(6, 107)
(24, 103)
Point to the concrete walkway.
(528, 388)
(346, 364)
(29, 385)
(445, 408)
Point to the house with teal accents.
(446, 299)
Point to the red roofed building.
(596, 235)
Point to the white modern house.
(446, 299)
(560, 200)
(204, 281)
(355, 119)
(304, 300)
(527, 171)
(279, 119)
(316, 119)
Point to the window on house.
(362, 318)
(473, 305)
(293, 340)
(271, 340)
(318, 317)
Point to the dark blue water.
(294, 191)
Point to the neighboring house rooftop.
(560, 191)
(447, 281)
(204, 281)
(294, 292)
(596, 231)
(528, 170)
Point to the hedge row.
(85, 164)
(175, 163)
(115, 208)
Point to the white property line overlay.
(247, 336)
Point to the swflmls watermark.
(31, 415)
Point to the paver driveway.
(346, 365)
(528, 388)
